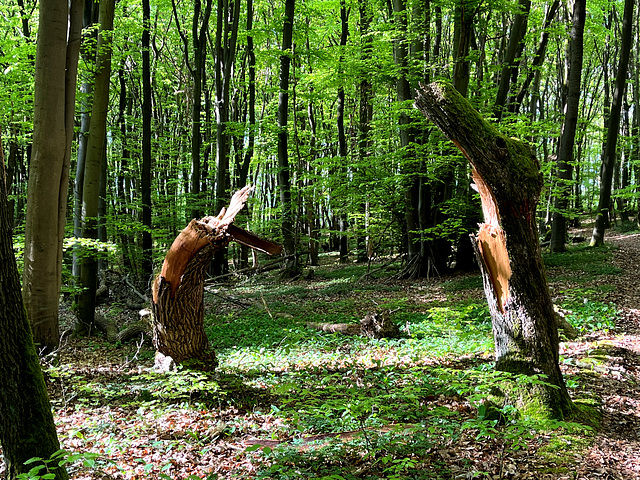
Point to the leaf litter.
(106, 403)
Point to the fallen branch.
(373, 325)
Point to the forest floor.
(291, 402)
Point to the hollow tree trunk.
(178, 291)
(508, 178)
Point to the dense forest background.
(317, 114)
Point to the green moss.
(564, 449)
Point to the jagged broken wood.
(178, 291)
(507, 176)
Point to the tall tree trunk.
(292, 265)
(342, 139)
(567, 138)
(508, 178)
(509, 73)
(26, 421)
(538, 57)
(225, 56)
(54, 108)
(96, 148)
(145, 174)
(465, 12)
(121, 210)
(199, 28)
(609, 151)
(403, 95)
(365, 116)
(89, 17)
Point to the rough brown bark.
(26, 422)
(178, 291)
(509, 182)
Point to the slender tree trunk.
(365, 117)
(609, 151)
(96, 148)
(509, 73)
(225, 54)
(121, 210)
(54, 109)
(342, 139)
(508, 178)
(567, 138)
(292, 265)
(90, 16)
(538, 57)
(145, 174)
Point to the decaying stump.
(507, 176)
(373, 325)
(178, 291)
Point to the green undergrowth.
(342, 407)
(582, 263)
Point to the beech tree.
(292, 264)
(94, 165)
(610, 146)
(54, 109)
(507, 176)
(567, 139)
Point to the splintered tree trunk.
(508, 179)
(178, 292)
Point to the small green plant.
(44, 469)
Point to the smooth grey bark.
(509, 72)
(96, 153)
(568, 135)
(54, 108)
(609, 150)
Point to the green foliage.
(583, 261)
(586, 313)
(44, 469)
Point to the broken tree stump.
(178, 291)
(507, 175)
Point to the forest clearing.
(291, 402)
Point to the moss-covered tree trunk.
(26, 422)
(509, 181)
(178, 291)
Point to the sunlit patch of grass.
(347, 272)
(585, 309)
(582, 258)
(469, 282)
